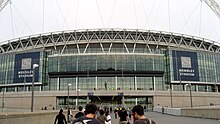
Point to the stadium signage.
(185, 66)
(23, 68)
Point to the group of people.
(93, 115)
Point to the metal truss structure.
(152, 40)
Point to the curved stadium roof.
(62, 39)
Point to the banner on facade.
(23, 67)
(185, 66)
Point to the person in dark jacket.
(102, 118)
(60, 118)
(80, 113)
(123, 116)
(139, 117)
(89, 117)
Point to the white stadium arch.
(3, 3)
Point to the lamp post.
(123, 83)
(87, 80)
(77, 92)
(171, 96)
(122, 79)
(32, 96)
(68, 95)
(190, 91)
(24, 82)
(3, 96)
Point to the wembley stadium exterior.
(109, 67)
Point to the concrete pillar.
(87, 100)
(216, 88)
(154, 84)
(116, 82)
(77, 100)
(58, 82)
(77, 83)
(123, 100)
(135, 82)
(96, 82)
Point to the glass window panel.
(87, 83)
(144, 83)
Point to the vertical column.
(96, 65)
(58, 83)
(191, 103)
(58, 65)
(96, 82)
(77, 92)
(185, 86)
(116, 82)
(87, 100)
(68, 97)
(197, 88)
(135, 68)
(154, 84)
(171, 95)
(77, 65)
(123, 100)
(77, 83)
(216, 88)
(207, 88)
(3, 99)
(135, 82)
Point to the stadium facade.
(110, 67)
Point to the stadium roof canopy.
(149, 38)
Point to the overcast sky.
(28, 17)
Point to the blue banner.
(185, 66)
(23, 68)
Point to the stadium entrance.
(111, 102)
(107, 102)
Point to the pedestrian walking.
(80, 113)
(116, 113)
(102, 118)
(60, 118)
(139, 117)
(106, 86)
(68, 115)
(123, 116)
(129, 112)
(89, 118)
(108, 118)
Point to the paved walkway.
(169, 119)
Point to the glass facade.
(118, 64)
(97, 62)
(207, 62)
(116, 70)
